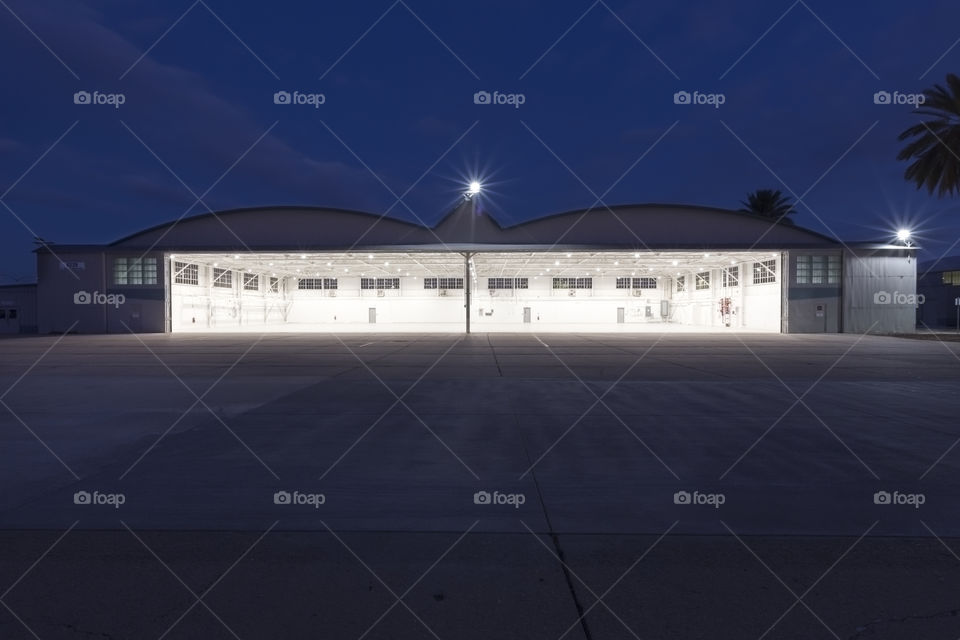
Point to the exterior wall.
(22, 299)
(879, 291)
(62, 304)
(812, 307)
(939, 309)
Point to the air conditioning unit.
(573, 292)
(638, 292)
(442, 292)
(381, 293)
(493, 292)
(332, 293)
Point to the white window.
(645, 283)
(223, 278)
(681, 284)
(186, 273)
(731, 277)
(573, 283)
(316, 283)
(127, 271)
(499, 283)
(274, 285)
(380, 283)
(765, 271)
(703, 280)
(251, 282)
(623, 283)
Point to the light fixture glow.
(474, 188)
(903, 235)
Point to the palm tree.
(769, 203)
(936, 146)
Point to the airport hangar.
(633, 268)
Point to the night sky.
(399, 117)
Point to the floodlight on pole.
(472, 189)
(904, 235)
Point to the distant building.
(18, 308)
(939, 283)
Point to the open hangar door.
(509, 291)
(356, 291)
(681, 291)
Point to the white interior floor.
(560, 291)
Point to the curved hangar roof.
(625, 226)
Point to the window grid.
(703, 280)
(251, 282)
(222, 278)
(499, 283)
(573, 283)
(379, 283)
(274, 285)
(731, 277)
(681, 284)
(951, 278)
(127, 271)
(186, 273)
(765, 271)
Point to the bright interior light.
(474, 188)
(903, 235)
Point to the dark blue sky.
(399, 100)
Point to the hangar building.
(628, 268)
